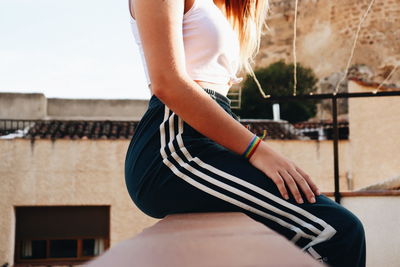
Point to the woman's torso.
(222, 88)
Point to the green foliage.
(277, 80)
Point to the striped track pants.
(172, 168)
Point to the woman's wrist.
(262, 150)
(251, 147)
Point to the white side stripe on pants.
(327, 233)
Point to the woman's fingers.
(310, 182)
(277, 179)
(302, 182)
(292, 185)
(285, 174)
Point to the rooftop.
(109, 129)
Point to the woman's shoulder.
(189, 6)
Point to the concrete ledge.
(22, 106)
(96, 109)
(205, 239)
(366, 193)
(35, 106)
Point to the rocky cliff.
(325, 35)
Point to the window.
(60, 234)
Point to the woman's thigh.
(198, 175)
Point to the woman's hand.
(284, 171)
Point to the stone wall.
(326, 31)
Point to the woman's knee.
(358, 229)
(351, 225)
(341, 218)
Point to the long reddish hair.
(248, 17)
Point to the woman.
(189, 152)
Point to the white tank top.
(211, 45)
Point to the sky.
(70, 49)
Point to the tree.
(277, 80)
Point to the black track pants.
(172, 168)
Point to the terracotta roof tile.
(69, 129)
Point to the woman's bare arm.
(160, 27)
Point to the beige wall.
(316, 158)
(381, 220)
(374, 136)
(88, 172)
(65, 173)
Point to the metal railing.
(236, 98)
(335, 125)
